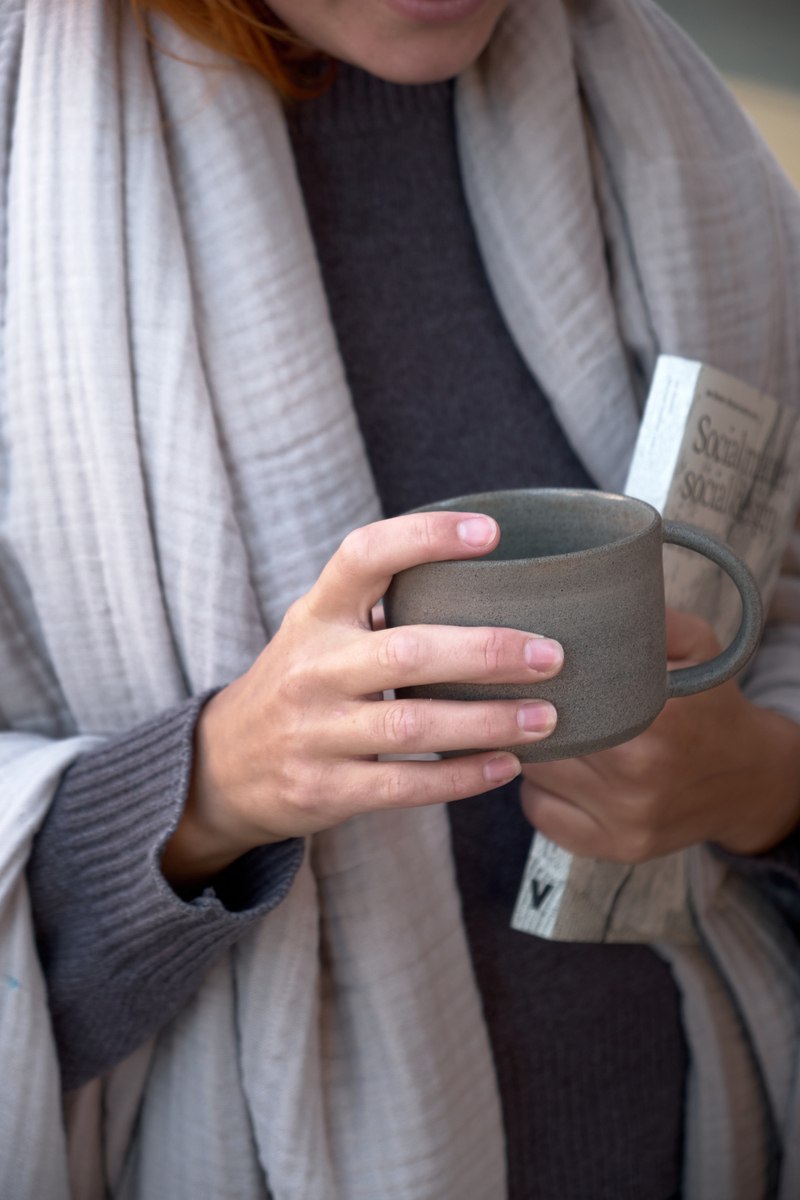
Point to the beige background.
(756, 45)
(776, 112)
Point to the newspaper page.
(732, 455)
(721, 455)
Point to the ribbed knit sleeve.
(121, 951)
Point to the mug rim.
(448, 504)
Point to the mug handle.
(685, 681)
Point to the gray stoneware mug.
(585, 568)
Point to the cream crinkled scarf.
(179, 457)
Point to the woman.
(236, 332)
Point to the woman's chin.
(413, 68)
(402, 41)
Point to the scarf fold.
(180, 457)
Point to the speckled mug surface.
(585, 568)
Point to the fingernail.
(537, 718)
(543, 654)
(477, 531)
(502, 769)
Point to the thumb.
(689, 637)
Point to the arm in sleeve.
(121, 951)
(774, 682)
(777, 873)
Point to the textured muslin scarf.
(178, 458)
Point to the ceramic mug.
(585, 568)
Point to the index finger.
(689, 637)
(360, 571)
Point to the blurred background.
(756, 45)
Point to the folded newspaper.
(721, 455)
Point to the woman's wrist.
(208, 836)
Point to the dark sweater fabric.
(587, 1041)
(121, 952)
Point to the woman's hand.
(712, 767)
(291, 747)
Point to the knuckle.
(394, 787)
(493, 649)
(424, 530)
(359, 550)
(297, 613)
(399, 650)
(641, 758)
(487, 724)
(294, 685)
(300, 790)
(355, 549)
(455, 781)
(402, 725)
(638, 845)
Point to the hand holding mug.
(711, 768)
(292, 746)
